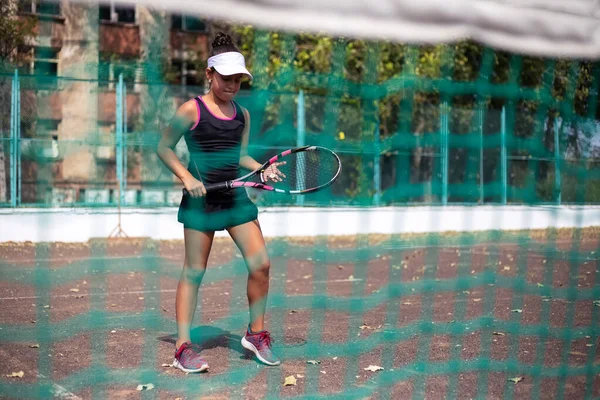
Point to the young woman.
(216, 131)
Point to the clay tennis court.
(444, 316)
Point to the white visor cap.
(229, 63)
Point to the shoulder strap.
(198, 114)
(239, 112)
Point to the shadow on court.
(210, 337)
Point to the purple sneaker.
(187, 358)
(260, 344)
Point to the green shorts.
(202, 215)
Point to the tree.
(16, 33)
(533, 90)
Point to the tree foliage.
(406, 87)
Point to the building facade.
(69, 97)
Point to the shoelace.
(193, 347)
(265, 337)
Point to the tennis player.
(216, 129)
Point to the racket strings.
(306, 170)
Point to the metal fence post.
(119, 138)
(481, 170)
(444, 128)
(300, 132)
(15, 145)
(377, 166)
(557, 180)
(503, 158)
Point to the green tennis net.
(493, 314)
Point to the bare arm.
(184, 118)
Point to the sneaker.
(188, 359)
(260, 344)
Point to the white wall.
(79, 225)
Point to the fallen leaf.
(516, 379)
(373, 368)
(313, 362)
(19, 374)
(290, 381)
(577, 353)
(147, 386)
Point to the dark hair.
(222, 44)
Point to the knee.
(260, 268)
(193, 274)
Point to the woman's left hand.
(273, 174)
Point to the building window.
(43, 7)
(187, 23)
(117, 13)
(185, 73)
(43, 63)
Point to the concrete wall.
(79, 225)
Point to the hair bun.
(221, 40)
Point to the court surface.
(497, 315)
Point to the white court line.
(84, 258)
(108, 294)
(447, 247)
(58, 390)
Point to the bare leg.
(197, 249)
(249, 239)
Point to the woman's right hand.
(194, 187)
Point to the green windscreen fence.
(488, 314)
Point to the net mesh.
(483, 314)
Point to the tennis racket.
(306, 169)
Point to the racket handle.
(216, 187)
(213, 187)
